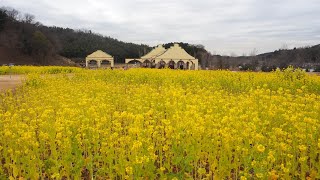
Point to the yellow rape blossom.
(160, 124)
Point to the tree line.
(24, 33)
(307, 58)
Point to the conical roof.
(175, 52)
(99, 54)
(154, 52)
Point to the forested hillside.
(305, 57)
(23, 40)
(39, 44)
(34, 43)
(79, 43)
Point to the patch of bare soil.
(10, 81)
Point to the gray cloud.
(224, 27)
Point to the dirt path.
(10, 81)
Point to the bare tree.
(12, 13)
(206, 58)
(28, 18)
(254, 59)
(233, 54)
(284, 46)
(254, 52)
(37, 24)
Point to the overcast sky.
(222, 26)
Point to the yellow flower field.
(39, 70)
(157, 124)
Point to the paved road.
(10, 81)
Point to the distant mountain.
(300, 57)
(304, 57)
(24, 41)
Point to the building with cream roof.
(99, 59)
(175, 58)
